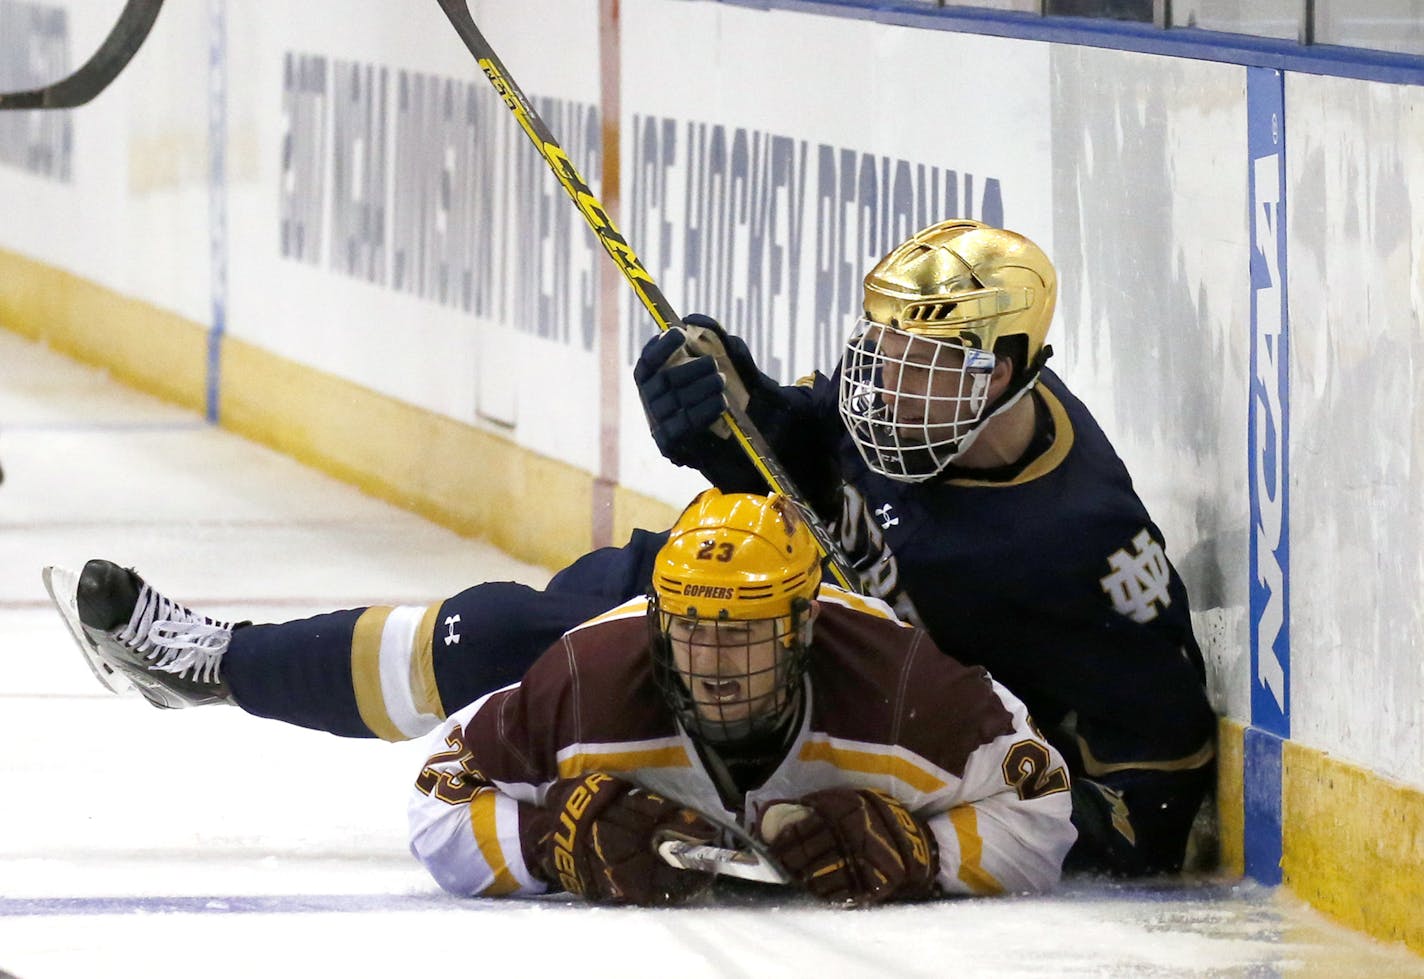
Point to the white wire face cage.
(729, 680)
(911, 403)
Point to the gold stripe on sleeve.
(634, 606)
(482, 822)
(670, 756)
(965, 820)
(851, 600)
(1196, 759)
(870, 763)
(422, 666)
(366, 673)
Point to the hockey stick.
(135, 21)
(745, 864)
(752, 862)
(742, 428)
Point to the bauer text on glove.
(597, 836)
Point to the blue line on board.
(217, 198)
(1268, 475)
(1177, 42)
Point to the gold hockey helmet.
(969, 283)
(730, 615)
(737, 556)
(941, 309)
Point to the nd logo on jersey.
(1139, 579)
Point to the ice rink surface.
(147, 843)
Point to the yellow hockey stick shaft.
(743, 430)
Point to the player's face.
(924, 383)
(730, 667)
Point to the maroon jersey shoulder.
(876, 681)
(595, 685)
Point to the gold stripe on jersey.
(868, 761)
(634, 606)
(580, 758)
(422, 666)
(1196, 759)
(482, 822)
(366, 673)
(858, 603)
(965, 820)
(1050, 460)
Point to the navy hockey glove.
(597, 836)
(686, 377)
(853, 846)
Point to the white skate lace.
(175, 639)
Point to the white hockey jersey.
(885, 709)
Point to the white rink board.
(139, 158)
(1356, 186)
(408, 344)
(1153, 332)
(848, 99)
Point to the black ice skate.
(131, 635)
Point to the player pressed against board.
(971, 490)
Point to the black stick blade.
(103, 67)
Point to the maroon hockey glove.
(597, 836)
(853, 846)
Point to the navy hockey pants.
(357, 672)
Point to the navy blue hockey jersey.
(1055, 579)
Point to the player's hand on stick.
(853, 846)
(686, 378)
(598, 835)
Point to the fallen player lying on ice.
(742, 691)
